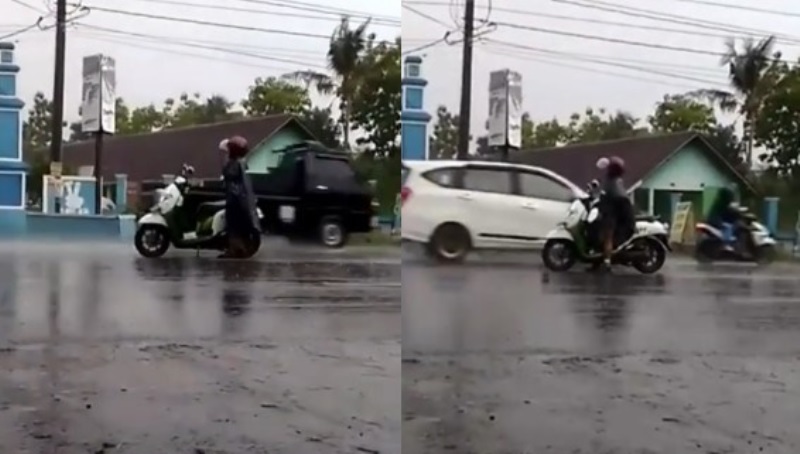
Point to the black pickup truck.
(314, 193)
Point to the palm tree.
(748, 73)
(344, 58)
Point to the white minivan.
(453, 207)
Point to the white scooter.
(168, 223)
(754, 243)
(575, 240)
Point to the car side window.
(487, 180)
(442, 177)
(543, 187)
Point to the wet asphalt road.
(501, 357)
(295, 352)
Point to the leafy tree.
(194, 110)
(36, 134)
(595, 126)
(443, 143)
(36, 130)
(777, 128)
(677, 113)
(543, 135)
(725, 140)
(276, 96)
(750, 79)
(321, 123)
(374, 106)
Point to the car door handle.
(465, 196)
(322, 188)
(529, 206)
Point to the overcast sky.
(558, 86)
(151, 69)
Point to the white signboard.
(505, 109)
(98, 106)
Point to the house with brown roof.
(661, 170)
(144, 157)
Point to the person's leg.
(608, 241)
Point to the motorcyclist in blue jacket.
(723, 215)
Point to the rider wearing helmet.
(241, 216)
(615, 207)
(723, 215)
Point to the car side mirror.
(187, 170)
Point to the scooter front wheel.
(151, 241)
(559, 255)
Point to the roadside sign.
(681, 218)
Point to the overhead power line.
(28, 6)
(596, 59)
(206, 23)
(696, 27)
(752, 9)
(609, 39)
(674, 18)
(319, 8)
(427, 16)
(424, 46)
(199, 45)
(161, 49)
(227, 7)
(684, 68)
(553, 61)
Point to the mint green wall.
(688, 170)
(263, 157)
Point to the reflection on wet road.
(102, 350)
(506, 355)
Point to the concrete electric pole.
(57, 132)
(466, 81)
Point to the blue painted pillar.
(13, 169)
(122, 192)
(413, 117)
(771, 213)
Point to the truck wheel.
(151, 241)
(332, 232)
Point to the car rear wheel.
(450, 243)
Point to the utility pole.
(57, 132)
(466, 81)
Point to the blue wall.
(8, 85)
(9, 134)
(413, 98)
(414, 140)
(11, 194)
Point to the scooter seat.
(219, 204)
(209, 208)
